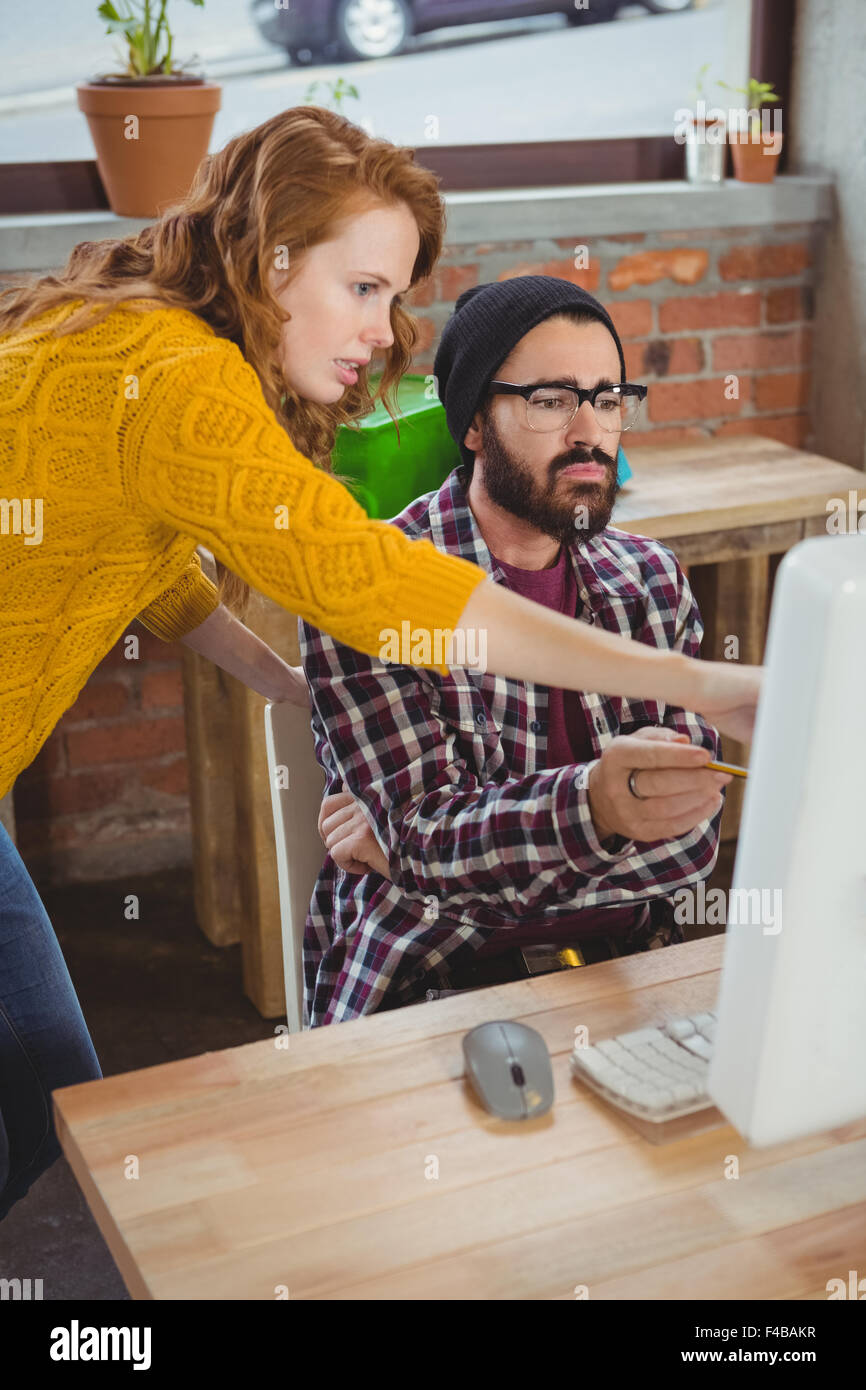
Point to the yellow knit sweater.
(124, 446)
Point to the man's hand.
(680, 792)
(346, 834)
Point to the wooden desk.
(309, 1168)
(729, 508)
(723, 499)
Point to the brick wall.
(108, 792)
(692, 309)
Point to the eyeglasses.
(554, 405)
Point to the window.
(523, 99)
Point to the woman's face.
(340, 300)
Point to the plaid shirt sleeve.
(521, 844)
(697, 850)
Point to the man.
(509, 815)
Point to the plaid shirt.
(479, 833)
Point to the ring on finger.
(631, 785)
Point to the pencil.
(728, 767)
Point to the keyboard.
(654, 1074)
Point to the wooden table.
(356, 1164)
(729, 508)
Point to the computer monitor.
(790, 1049)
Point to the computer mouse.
(508, 1067)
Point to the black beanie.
(488, 321)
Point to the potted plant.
(755, 150)
(703, 131)
(151, 124)
(338, 91)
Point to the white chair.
(297, 787)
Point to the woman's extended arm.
(527, 642)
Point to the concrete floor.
(152, 991)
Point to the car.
(313, 30)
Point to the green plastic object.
(387, 474)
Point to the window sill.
(605, 209)
(41, 241)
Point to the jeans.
(44, 1042)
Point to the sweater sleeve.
(204, 453)
(190, 600)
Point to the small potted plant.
(151, 124)
(755, 149)
(703, 132)
(338, 91)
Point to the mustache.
(583, 455)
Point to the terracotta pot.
(754, 162)
(172, 120)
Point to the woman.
(178, 387)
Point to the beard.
(566, 509)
